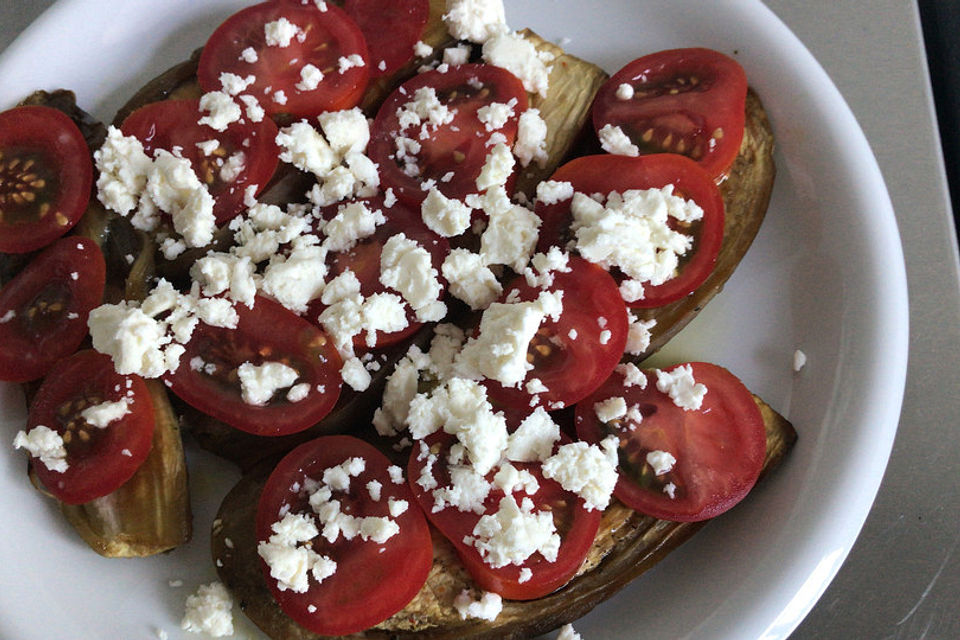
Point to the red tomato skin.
(580, 528)
(273, 69)
(64, 164)
(436, 157)
(175, 123)
(391, 29)
(584, 363)
(693, 113)
(84, 376)
(606, 173)
(368, 587)
(28, 352)
(268, 332)
(719, 448)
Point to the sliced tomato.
(391, 29)
(174, 124)
(328, 39)
(574, 355)
(372, 580)
(575, 525)
(208, 378)
(451, 155)
(45, 177)
(364, 261)
(605, 173)
(44, 309)
(686, 101)
(719, 448)
(100, 459)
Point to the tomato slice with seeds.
(576, 526)
(450, 156)
(601, 174)
(44, 308)
(574, 355)
(174, 124)
(329, 40)
(364, 260)
(208, 379)
(46, 174)
(719, 448)
(100, 459)
(372, 580)
(686, 101)
(391, 29)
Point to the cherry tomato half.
(719, 448)
(450, 155)
(175, 123)
(208, 380)
(391, 29)
(372, 580)
(99, 459)
(574, 355)
(686, 101)
(329, 40)
(45, 177)
(576, 526)
(606, 173)
(44, 309)
(364, 261)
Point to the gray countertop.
(902, 579)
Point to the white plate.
(825, 275)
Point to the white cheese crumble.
(638, 335)
(221, 109)
(280, 33)
(614, 140)
(407, 267)
(291, 562)
(679, 384)
(520, 57)
(305, 148)
(310, 78)
(123, 167)
(470, 279)
(660, 461)
(475, 20)
(610, 409)
(258, 383)
(209, 611)
(531, 144)
(632, 231)
(46, 444)
(588, 470)
(445, 216)
(101, 415)
(533, 440)
(799, 360)
(512, 232)
(514, 533)
(488, 607)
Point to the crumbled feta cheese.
(279, 33)
(123, 168)
(638, 335)
(355, 374)
(346, 131)
(353, 222)
(520, 57)
(512, 232)
(496, 169)
(475, 20)
(614, 140)
(470, 279)
(305, 148)
(459, 54)
(46, 444)
(101, 415)
(445, 216)
(175, 188)
(291, 562)
(467, 491)
(531, 141)
(345, 63)
(660, 461)
(421, 49)
(588, 470)
(545, 265)
(258, 383)
(533, 440)
(310, 78)
(499, 352)
(632, 375)
(221, 109)
(496, 114)
(407, 267)
(799, 360)
(514, 533)
(610, 409)
(209, 611)
(233, 84)
(679, 384)
(249, 55)
(567, 633)
(488, 607)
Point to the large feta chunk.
(407, 267)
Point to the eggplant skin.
(627, 544)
